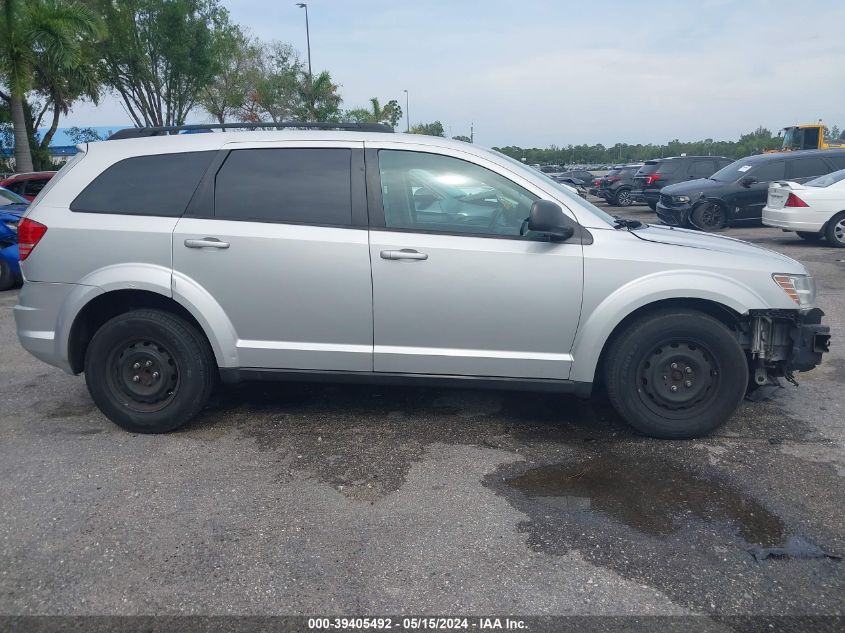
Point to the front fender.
(597, 327)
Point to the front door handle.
(206, 242)
(405, 253)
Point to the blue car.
(12, 207)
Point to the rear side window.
(668, 167)
(838, 161)
(767, 172)
(295, 186)
(158, 185)
(806, 167)
(702, 168)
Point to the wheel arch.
(107, 305)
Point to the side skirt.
(234, 375)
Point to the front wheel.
(708, 216)
(149, 371)
(676, 374)
(622, 198)
(835, 231)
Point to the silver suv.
(162, 264)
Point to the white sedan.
(814, 210)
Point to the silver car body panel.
(321, 298)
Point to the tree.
(161, 55)
(83, 135)
(835, 133)
(275, 92)
(390, 114)
(431, 129)
(461, 137)
(320, 100)
(41, 41)
(240, 66)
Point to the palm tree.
(30, 30)
(321, 101)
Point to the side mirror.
(547, 217)
(748, 181)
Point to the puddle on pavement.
(652, 496)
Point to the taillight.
(651, 179)
(30, 233)
(795, 201)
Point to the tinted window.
(438, 193)
(668, 167)
(297, 186)
(735, 171)
(768, 172)
(648, 168)
(838, 161)
(34, 187)
(161, 184)
(806, 167)
(702, 168)
(17, 187)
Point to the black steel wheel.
(149, 371)
(676, 373)
(709, 216)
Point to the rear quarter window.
(156, 185)
(668, 167)
(806, 167)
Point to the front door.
(750, 200)
(283, 251)
(456, 288)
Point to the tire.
(834, 232)
(622, 197)
(149, 371)
(652, 206)
(809, 237)
(640, 376)
(709, 216)
(7, 277)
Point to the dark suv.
(662, 172)
(736, 194)
(616, 187)
(583, 177)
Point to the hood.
(718, 244)
(689, 187)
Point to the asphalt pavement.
(319, 499)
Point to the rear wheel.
(622, 198)
(835, 231)
(676, 374)
(149, 371)
(708, 216)
(7, 277)
(809, 237)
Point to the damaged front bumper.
(782, 342)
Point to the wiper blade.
(625, 223)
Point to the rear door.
(278, 239)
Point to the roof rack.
(141, 132)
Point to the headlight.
(11, 225)
(800, 288)
(681, 199)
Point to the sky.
(535, 73)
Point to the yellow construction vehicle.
(808, 136)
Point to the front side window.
(430, 192)
(768, 172)
(287, 185)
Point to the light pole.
(302, 5)
(407, 114)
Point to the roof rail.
(141, 132)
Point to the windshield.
(791, 138)
(734, 171)
(827, 179)
(578, 200)
(7, 197)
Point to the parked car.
(573, 183)
(12, 207)
(582, 176)
(662, 172)
(616, 186)
(736, 194)
(27, 185)
(305, 255)
(814, 210)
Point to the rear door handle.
(405, 253)
(206, 242)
